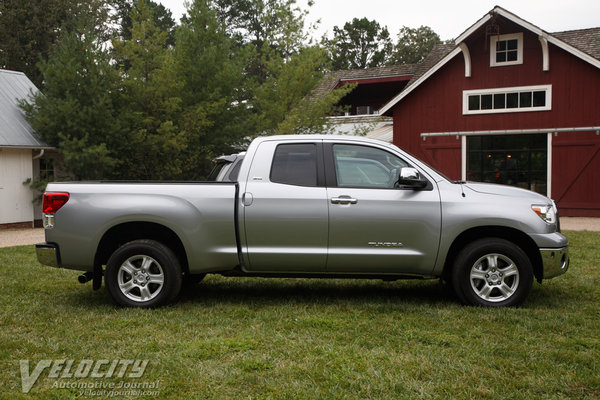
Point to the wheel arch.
(512, 235)
(126, 232)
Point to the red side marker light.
(53, 201)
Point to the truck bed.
(202, 214)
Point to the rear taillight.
(53, 201)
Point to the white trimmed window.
(506, 49)
(507, 100)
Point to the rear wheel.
(492, 272)
(143, 273)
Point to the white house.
(20, 153)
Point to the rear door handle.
(247, 199)
(343, 200)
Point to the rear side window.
(235, 171)
(216, 171)
(295, 164)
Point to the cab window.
(366, 167)
(295, 164)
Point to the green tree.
(282, 66)
(143, 109)
(413, 45)
(283, 101)
(215, 108)
(29, 29)
(78, 112)
(359, 44)
(161, 17)
(267, 32)
(309, 115)
(275, 24)
(150, 101)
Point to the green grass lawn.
(232, 338)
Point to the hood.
(505, 190)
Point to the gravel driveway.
(21, 237)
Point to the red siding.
(576, 174)
(436, 106)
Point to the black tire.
(143, 273)
(492, 272)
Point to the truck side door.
(285, 209)
(374, 225)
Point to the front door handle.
(343, 200)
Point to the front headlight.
(547, 212)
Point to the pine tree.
(215, 106)
(29, 29)
(150, 99)
(78, 111)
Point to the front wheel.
(143, 273)
(492, 272)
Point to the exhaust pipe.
(85, 277)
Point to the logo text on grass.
(68, 369)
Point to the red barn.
(512, 104)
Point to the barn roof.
(15, 131)
(583, 43)
(436, 54)
(332, 79)
(585, 40)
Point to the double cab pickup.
(305, 206)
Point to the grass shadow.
(301, 291)
(280, 291)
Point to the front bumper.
(555, 261)
(48, 254)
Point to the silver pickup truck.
(305, 206)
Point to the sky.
(448, 18)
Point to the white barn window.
(507, 100)
(506, 49)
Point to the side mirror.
(410, 177)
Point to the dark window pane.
(474, 102)
(499, 101)
(525, 99)
(295, 164)
(539, 99)
(501, 57)
(46, 168)
(511, 55)
(538, 160)
(486, 102)
(474, 176)
(501, 45)
(233, 175)
(475, 160)
(512, 100)
(512, 44)
(474, 143)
